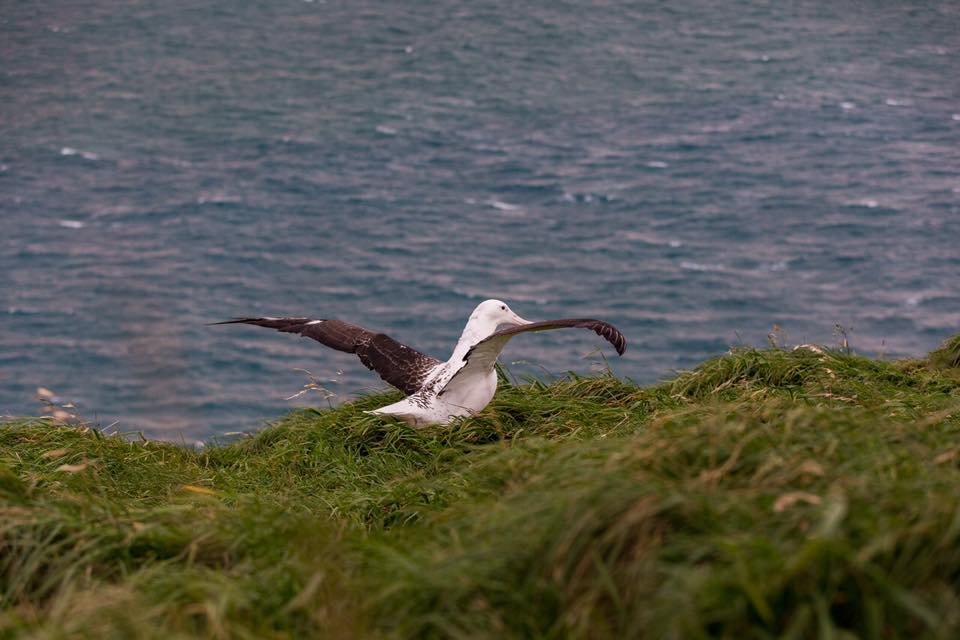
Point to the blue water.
(693, 172)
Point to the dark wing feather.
(603, 329)
(399, 365)
(483, 355)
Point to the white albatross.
(437, 392)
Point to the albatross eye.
(503, 307)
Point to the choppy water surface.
(693, 172)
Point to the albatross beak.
(517, 320)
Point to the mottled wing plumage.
(399, 365)
(483, 355)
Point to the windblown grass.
(768, 493)
(947, 355)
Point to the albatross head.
(483, 322)
(496, 312)
(490, 314)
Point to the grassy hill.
(768, 493)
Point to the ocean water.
(693, 172)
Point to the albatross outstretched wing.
(403, 367)
(482, 356)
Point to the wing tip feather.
(611, 334)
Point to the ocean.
(698, 174)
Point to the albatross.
(437, 391)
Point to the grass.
(768, 493)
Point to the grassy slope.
(766, 494)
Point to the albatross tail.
(404, 410)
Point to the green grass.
(768, 493)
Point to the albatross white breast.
(437, 391)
